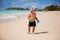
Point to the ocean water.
(10, 14)
(13, 12)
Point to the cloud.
(13, 2)
(43, 6)
(39, 6)
(21, 0)
(14, 5)
(25, 0)
(30, 5)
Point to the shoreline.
(19, 15)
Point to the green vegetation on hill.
(20, 9)
(17, 9)
(52, 8)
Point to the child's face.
(34, 11)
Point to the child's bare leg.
(29, 30)
(33, 29)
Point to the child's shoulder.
(29, 13)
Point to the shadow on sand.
(42, 32)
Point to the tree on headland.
(17, 9)
(52, 7)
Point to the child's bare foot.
(33, 33)
(28, 32)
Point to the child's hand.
(38, 21)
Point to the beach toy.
(38, 21)
(30, 20)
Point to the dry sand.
(47, 29)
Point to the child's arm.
(37, 20)
(28, 16)
(36, 17)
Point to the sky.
(41, 4)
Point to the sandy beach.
(47, 29)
